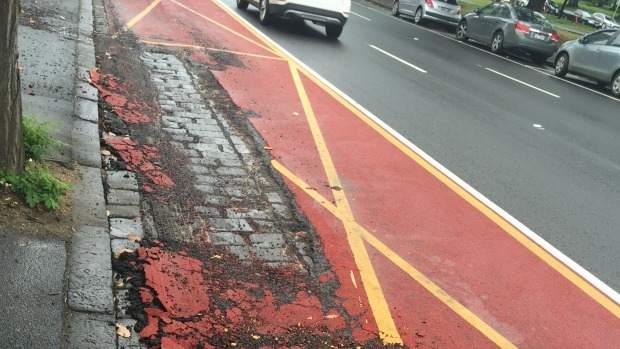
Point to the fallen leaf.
(31, 93)
(217, 256)
(332, 316)
(295, 113)
(120, 252)
(107, 213)
(133, 237)
(268, 148)
(105, 152)
(61, 17)
(122, 331)
(21, 67)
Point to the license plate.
(540, 36)
(444, 9)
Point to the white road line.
(398, 59)
(523, 83)
(581, 271)
(357, 14)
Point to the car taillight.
(554, 37)
(520, 27)
(430, 3)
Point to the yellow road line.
(380, 309)
(271, 50)
(159, 43)
(560, 267)
(415, 274)
(141, 15)
(251, 29)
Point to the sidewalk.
(58, 294)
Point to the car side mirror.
(583, 40)
(477, 11)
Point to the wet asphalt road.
(545, 150)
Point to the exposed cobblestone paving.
(242, 201)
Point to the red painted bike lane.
(406, 241)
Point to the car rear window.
(527, 15)
(451, 2)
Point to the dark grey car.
(596, 56)
(508, 28)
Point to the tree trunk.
(11, 137)
(536, 5)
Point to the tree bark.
(536, 5)
(12, 154)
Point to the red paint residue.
(116, 94)
(138, 158)
(200, 307)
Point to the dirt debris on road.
(185, 290)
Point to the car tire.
(396, 8)
(418, 17)
(497, 43)
(615, 85)
(264, 17)
(561, 64)
(333, 31)
(242, 4)
(461, 31)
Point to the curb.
(89, 294)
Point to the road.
(543, 149)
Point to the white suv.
(332, 14)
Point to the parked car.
(607, 21)
(508, 28)
(440, 11)
(332, 14)
(596, 56)
(551, 7)
(585, 17)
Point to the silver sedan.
(596, 56)
(508, 28)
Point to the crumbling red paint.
(138, 158)
(199, 305)
(146, 295)
(116, 94)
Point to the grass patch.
(38, 186)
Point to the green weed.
(36, 183)
(37, 139)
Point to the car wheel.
(615, 85)
(242, 4)
(333, 31)
(561, 64)
(497, 44)
(461, 31)
(417, 18)
(395, 8)
(264, 16)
